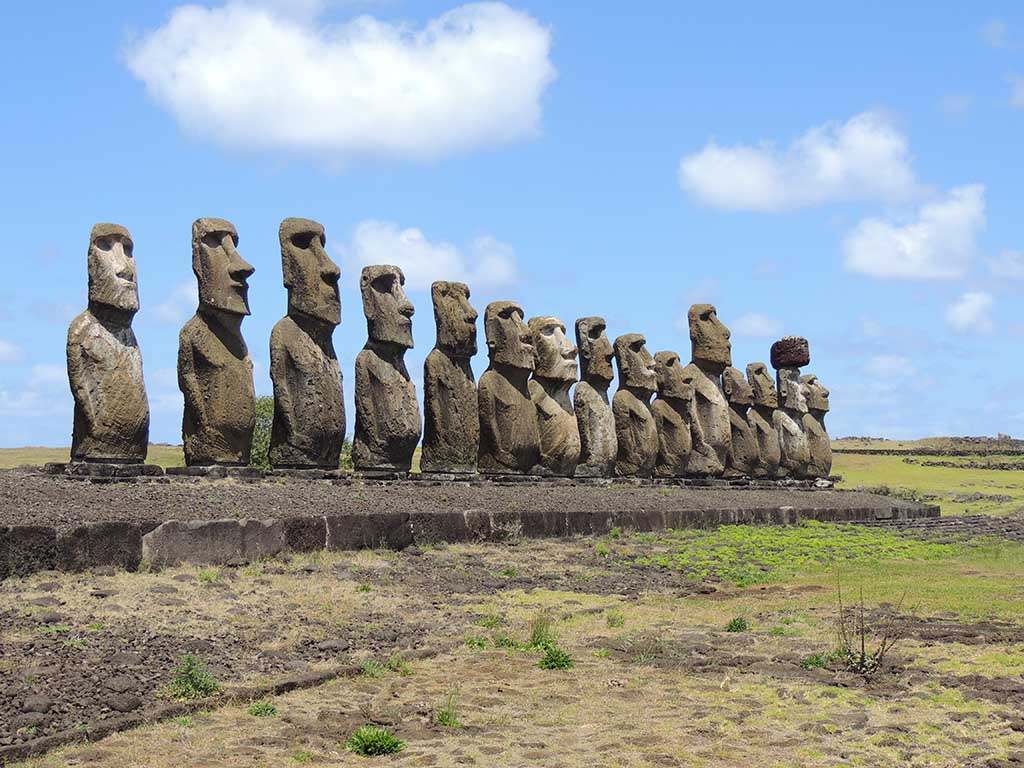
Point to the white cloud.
(252, 75)
(995, 33)
(180, 304)
(956, 104)
(971, 313)
(48, 376)
(1017, 91)
(865, 158)
(938, 244)
(11, 352)
(755, 325)
(486, 263)
(1009, 264)
(890, 367)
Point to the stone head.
(737, 390)
(112, 276)
(222, 274)
(509, 341)
(791, 390)
(763, 385)
(708, 337)
(455, 318)
(309, 274)
(672, 380)
(388, 311)
(595, 349)
(554, 355)
(635, 364)
(815, 393)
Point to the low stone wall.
(932, 451)
(25, 549)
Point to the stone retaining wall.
(25, 549)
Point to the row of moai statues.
(707, 419)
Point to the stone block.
(355, 531)
(213, 542)
(305, 534)
(25, 549)
(112, 543)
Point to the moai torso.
(761, 418)
(794, 448)
(104, 363)
(111, 408)
(309, 406)
(712, 413)
(554, 374)
(387, 414)
(819, 445)
(594, 418)
(787, 355)
(635, 430)
(743, 450)
(674, 438)
(711, 355)
(451, 435)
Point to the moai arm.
(188, 381)
(491, 425)
(280, 363)
(77, 336)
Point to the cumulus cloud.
(865, 158)
(11, 352)
(939, 243)
(179, 305)
(890, 367)
(485, 263)
(971, 313)
(251, 75)
(755, 325)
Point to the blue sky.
(851, 174)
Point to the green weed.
(555, 658)
(191, 680)
(303, 756)
(262, 709)
(542, 631)
(737, 624)
(615, 618)
(370, 741)
(447, 714)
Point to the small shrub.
(370, 741)
(192, 680)
(615, 618)
(262, 709)
(96, 626)
(503, 640)
(509, 572)
(185, 721)
(855, 636)
(602, 653)
(77, 643)
(602, 549)
(475, 641)
(488, 622)
(542, 631)
(372, 668)
(647, 649)
(615, 533)
(737, 624)
(815, 661)
(447, 714)
(397, 664)
(208, 575)
(55, 629)
(363, 588)
(303, 756)
(555, 658)
(261, 432)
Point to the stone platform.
(54, 522)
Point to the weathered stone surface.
(635, 429)
(790, 352)
(796, 453)
(104, 362)
(818, 444)
(673, 415)
(309, 406)
(212, 542)
(115, 544)
(384, 529)
(742, 458)
(451, 434)
(711, 355)
(387, 413)
(554, 374)
(509, 437)
(214, 367)
(761, 418)
(594, 418)
(25, 549)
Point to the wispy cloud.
(971, 313)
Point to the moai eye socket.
(595, 332)
(384, 283)
(302, 239)
(127, 246)
(104, 243)
(213, 239)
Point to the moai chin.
(554, 373)
(787, 355)
(743, 448)
(673, 416)
(818, 443)
(387, 414)
(711, 355)
(764, 422)
(594, 418)
(309, 406)
(451, 435)
(635, 429)
(509, 437)
(104, 362)
(214, 367)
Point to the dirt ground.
(656, 679)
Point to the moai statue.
(787, 356)
(387, 414)
(214, 367)
(818, 444)
(451, 435)
(635, 430)
(509, 437)
(594, 417)
(554, 374)
(104, 362)
(712, 354)
(673, 414)
(309, 407)
(743, 448)
(764, 424)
